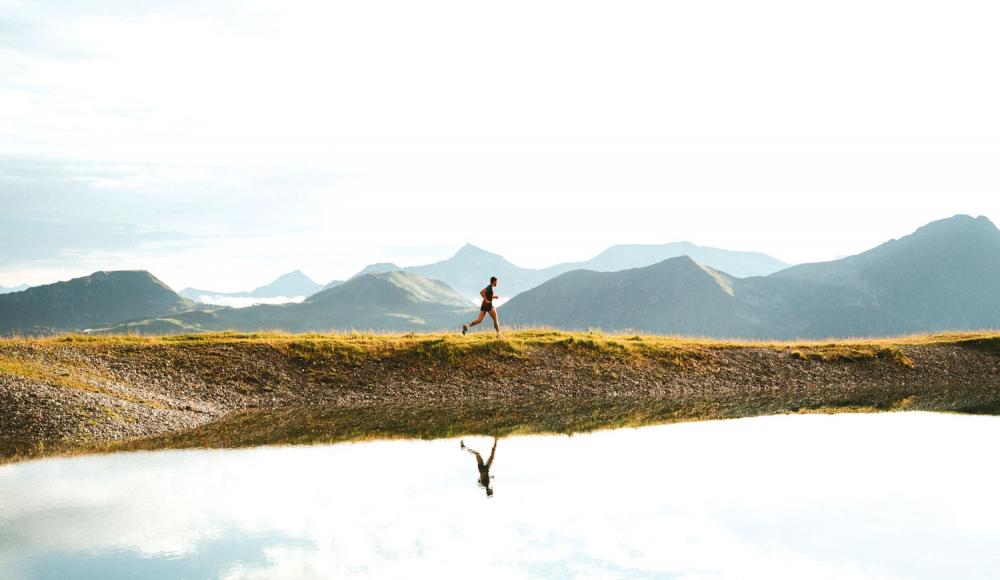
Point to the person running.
(484, 468)
(486, 308)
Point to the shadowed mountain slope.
(384, 301)
(677, 293)
(101, 297)
(944, 276)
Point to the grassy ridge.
(78, 393)
(453, 345)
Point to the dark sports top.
(489, 293)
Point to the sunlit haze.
(221, 144)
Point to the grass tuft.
(846, 353)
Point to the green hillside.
(81, 303)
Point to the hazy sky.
(219, 144)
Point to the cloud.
(239, 302)
(545, 133)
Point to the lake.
(900, 495)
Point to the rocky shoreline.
(68, 394)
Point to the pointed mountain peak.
(472, 252)
(470, 249)
(290, 284)
(295, 275)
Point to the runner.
(486, 308)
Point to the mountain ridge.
(469, 269)
(943, 276)
(76, 304)
(289, 285)
(383, 301)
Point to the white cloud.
(241, 302)
(544, 132)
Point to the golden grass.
(449, 347)
(43, 373)
(525, 336)
(851, 352)
(66, 377)
(443, 418)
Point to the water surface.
(909, 495)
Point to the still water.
(907, 495)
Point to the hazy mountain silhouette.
(287, 285)
(385, 301)
(628, 256)
(470, 269)
(946, 275)
(291, 284)
(80, 303)
(10, 289)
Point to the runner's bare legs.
(496, 321)
(482, 315)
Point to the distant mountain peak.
(473, 251)
(294, 283)
(295, 275)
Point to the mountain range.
(291, 285)
(470, 269)
(385, 301)
(943, 276)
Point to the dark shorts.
(486, 307)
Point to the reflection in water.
(484, 468)
(901, 495)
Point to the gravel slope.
(57, 396)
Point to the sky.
(221, 144)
